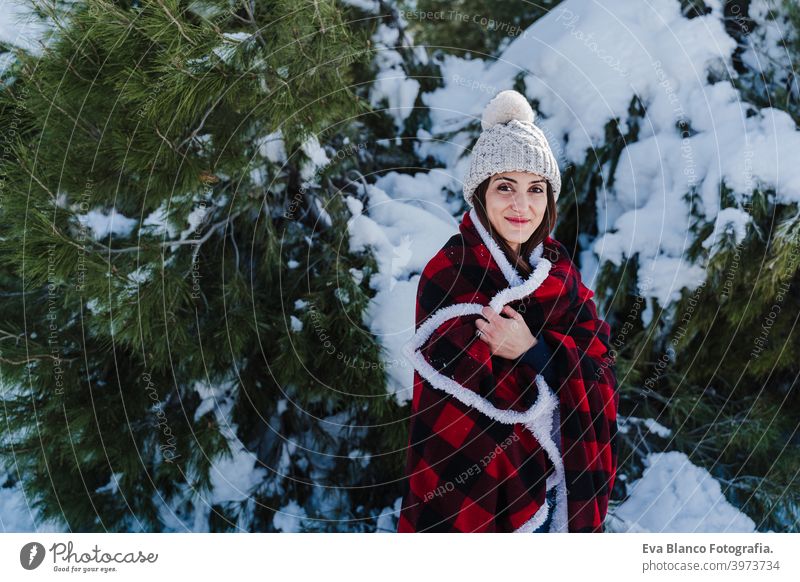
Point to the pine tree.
(719, 365)
(180, 328)
(472, 27)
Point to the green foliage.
(126, 357)
(719, 366)
(471, 26)
(769, 78)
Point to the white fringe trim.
(539, 418)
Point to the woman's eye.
(504, 188)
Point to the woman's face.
(516, 203)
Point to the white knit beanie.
(510, 142)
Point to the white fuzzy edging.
(539, 418)
(541, 428)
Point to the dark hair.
(520, 261)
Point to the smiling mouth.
(517, 220)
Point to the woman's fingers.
(485, 329)
(494, 321)
(489, 313)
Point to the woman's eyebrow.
(513, 180)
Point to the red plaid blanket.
(480, 457)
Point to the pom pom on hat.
(504, 107)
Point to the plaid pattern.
(480, 457)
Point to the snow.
(370, 6)
(297, 325)
(728, 219)
(564, 59)
(391, 83)
(342, 295)
(357, 275)
(289, 517)
(234, 476)
(767, 38)
(360, 456)
(196, 218)
(673, 495)
(112, 486)
(657, 428)
(102, 223)
(16, 515)
(95, 307)
(323, 214)
(390, 318)
(230, 44)
(272, 147)
(403, 235)
(583, 64)
(624, 424)
(210, 397)
(141, 275)
(388, 516)
(317, 158)
(157, 222)
(20, 27)
(283, 404)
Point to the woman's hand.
(508, 337)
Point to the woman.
(514, 408)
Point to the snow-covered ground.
(673, 495)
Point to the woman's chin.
(517, 237)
